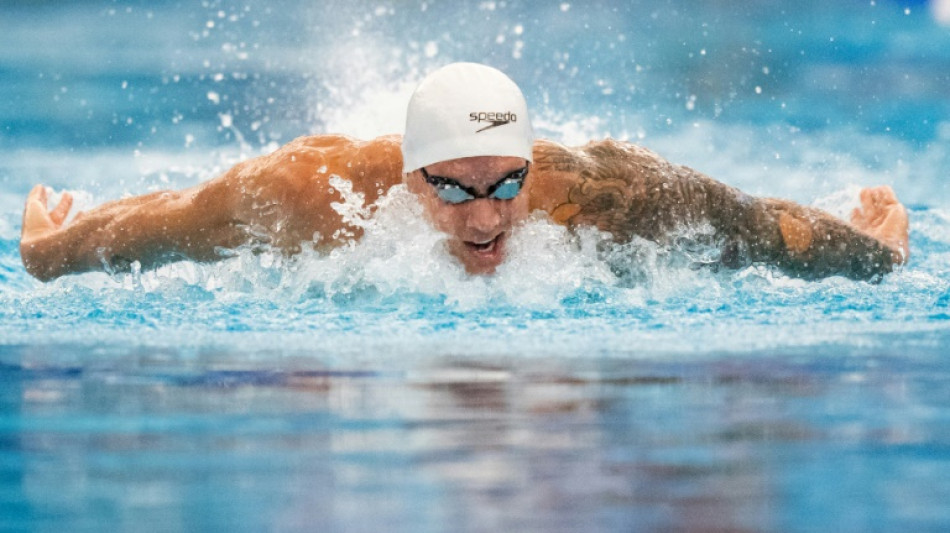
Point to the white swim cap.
(465, 110)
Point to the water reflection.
(185, 441)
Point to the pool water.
(585, 386)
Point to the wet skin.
(284, 200)
(478, 229)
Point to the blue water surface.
(380, 388)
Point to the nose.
(483, 217)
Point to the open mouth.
(481, 257)
(485, 247)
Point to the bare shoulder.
(600, 155)
(625, 189)
(307, 163)
(289, 193)
(571, 179)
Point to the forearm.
(150, 229)
(802, 241)
(810, 243)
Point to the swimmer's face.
(479, 228)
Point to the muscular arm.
(282, 200)
(151, 229)
(630, 191)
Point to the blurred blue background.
(721, 86)
(92, 74)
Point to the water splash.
(397, 289)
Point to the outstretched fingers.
(876, 202)
(896, 230)
(877, 198)
(34, 213)
(37, 196)
(37, 219)
(58, 214)
(882, 216)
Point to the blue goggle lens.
(508, 189)
(453, 194)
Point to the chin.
(480, 268)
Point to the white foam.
(365, 101)
(400, 252)
(840, 203)
(546, 263)
(7, 231)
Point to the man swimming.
(469, 155)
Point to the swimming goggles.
(453, 192)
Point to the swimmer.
(469, 155)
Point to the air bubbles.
(516, 51)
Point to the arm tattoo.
(630, 192)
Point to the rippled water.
(381, 387)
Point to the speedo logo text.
(496, 119)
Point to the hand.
(37, 221)
(884, 218)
